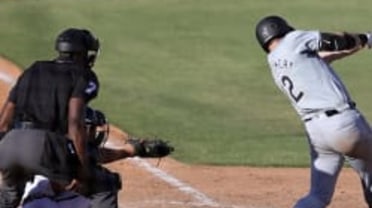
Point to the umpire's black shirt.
(42, 93)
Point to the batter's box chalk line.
(175, 204)
(5, 77)
(201, 199)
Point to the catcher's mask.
(75, 40)
(271, 27)
(97, 126)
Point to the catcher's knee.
(104, 180)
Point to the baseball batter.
(336, 130)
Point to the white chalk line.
(181, 186)
(6, 78)
(174, 203)
(162, 202)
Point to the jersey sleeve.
(85, 87)
(307, 41)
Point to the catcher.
(103, 186)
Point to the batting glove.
(369, 39)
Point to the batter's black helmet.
(271, 27)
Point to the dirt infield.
(171, 184)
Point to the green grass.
(191, 71)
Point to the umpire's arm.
(76, 129)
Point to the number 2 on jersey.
(288, 84)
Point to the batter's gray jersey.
(309, 82)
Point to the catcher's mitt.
(151, 148)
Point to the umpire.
(42, 121)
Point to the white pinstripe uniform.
(335, 128)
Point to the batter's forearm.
(340, 42)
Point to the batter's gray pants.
(332, 140)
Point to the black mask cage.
(97, 126)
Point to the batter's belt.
(329, 112)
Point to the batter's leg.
(325, 168)
(361, 158)
(364, 170)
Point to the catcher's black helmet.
(96, 119)
(271, 27)
(73, 40)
